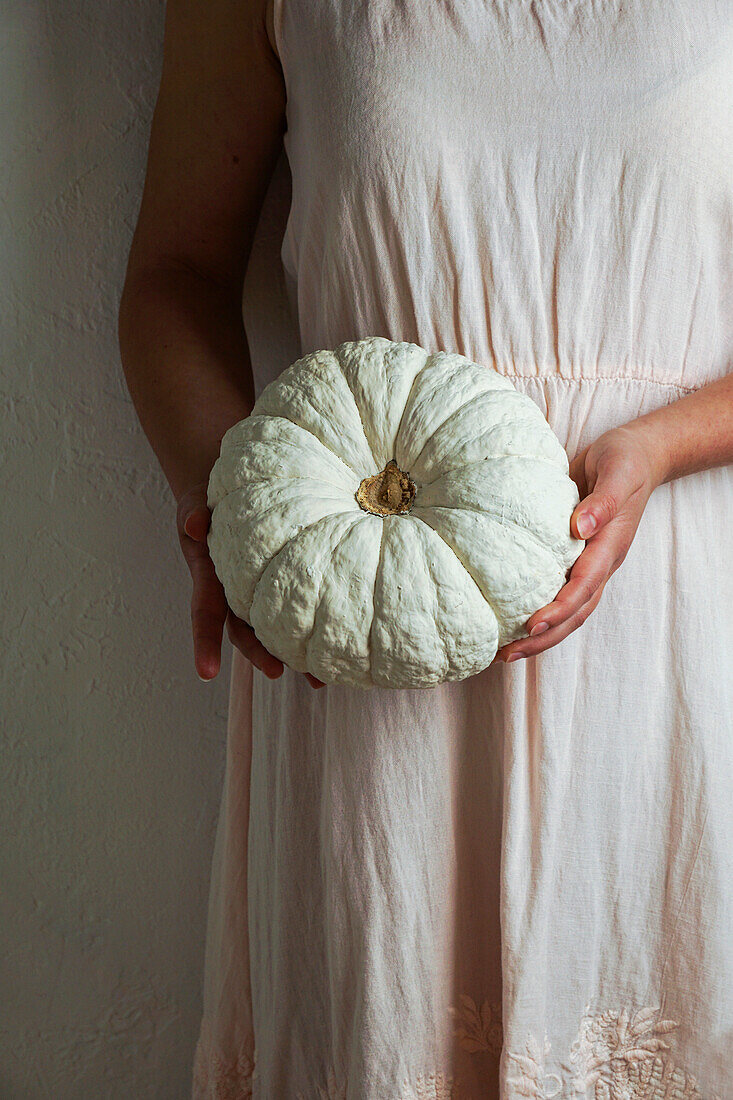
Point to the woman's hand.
(209, 609)
(615, 476)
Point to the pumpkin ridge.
(469, 363)
(505, 458)
(329, 450)
(305, 527)
(499, 522)
(428, 356)
(492, 458)
(434, 589)
(374, 605)
(501, 623)
(302, 367)
(449, 417)
(356, 404)
(326, 490)
(436, 604)
(317, 602)
(305, 476)
(500, 518)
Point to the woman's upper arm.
(215, 138)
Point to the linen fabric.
(520, 884)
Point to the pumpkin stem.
(388, 493)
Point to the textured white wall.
(112, 749)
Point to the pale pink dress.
(519, 885)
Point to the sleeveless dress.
(520, 884)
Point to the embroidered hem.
(217, 1077)
(617, 1055)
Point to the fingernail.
(514, 657)
(538, 629)
(204, 679)
(587, 524)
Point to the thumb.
(599, 507)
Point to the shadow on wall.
(112, 749)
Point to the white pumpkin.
(389, 516)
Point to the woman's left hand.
(615, 475)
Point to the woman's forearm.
(186, 361)
(693, 433)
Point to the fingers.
(190, 502)
(208, 613)
(208, 602)
(209, 609)
(529, 647)
(244, 638)
(575, 600)
(196, 524)
(591, 570)
(614, 485)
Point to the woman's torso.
(544, 187)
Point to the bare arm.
(616, 474)
(215, 139)
(693, 433)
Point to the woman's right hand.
(209, 609)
